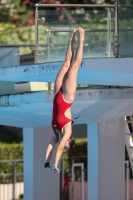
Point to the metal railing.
(11, 183)
(115, 6)
(81, 178)
(12, 186)
(116, 30)
(77, 176)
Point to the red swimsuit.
(59, 107)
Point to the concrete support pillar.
(92, 133)
(38, 183)
(106, 156)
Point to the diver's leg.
(69, 85)
(67, 63)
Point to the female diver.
(65, 90)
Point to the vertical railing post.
(82, 179)
(116, 53)
(14, 179)
(72, 172)
(108, 32)
(62, 192)
(127, 180)
(49, 46)
(36, 36)
(49, 54)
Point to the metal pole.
(127, 180)
(17, 45)
(108, 32)
(62, 194)
(36, 37)
(14, 179)
(125, 6)
(76, 5)
(49, 53)
(69, 30)
(82, 179)
(49, 46)
(116, 53)
(72, 169)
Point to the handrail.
(17, 45)
(13, 174)
(77, 5)
(21, 45)
(115, 6)
(83, 5)
(125, 6)
(69, 30)
(16, 160)
(62, 30)
(87, 30)
(36, 45)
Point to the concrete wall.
(106, 169)
(111, 160)
(7, 87)
(38, 183)
(106, 160)
(93, 158)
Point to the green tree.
(21, 12)
(17, 12)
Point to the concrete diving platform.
(96, 71)
(35, 109)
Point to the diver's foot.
(73, 36)
(81, 34)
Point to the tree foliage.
(11, 152)
(21, 12)
(10, 135)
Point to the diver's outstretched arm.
(60, 149)
(49, 151)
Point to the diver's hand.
(47, 167)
